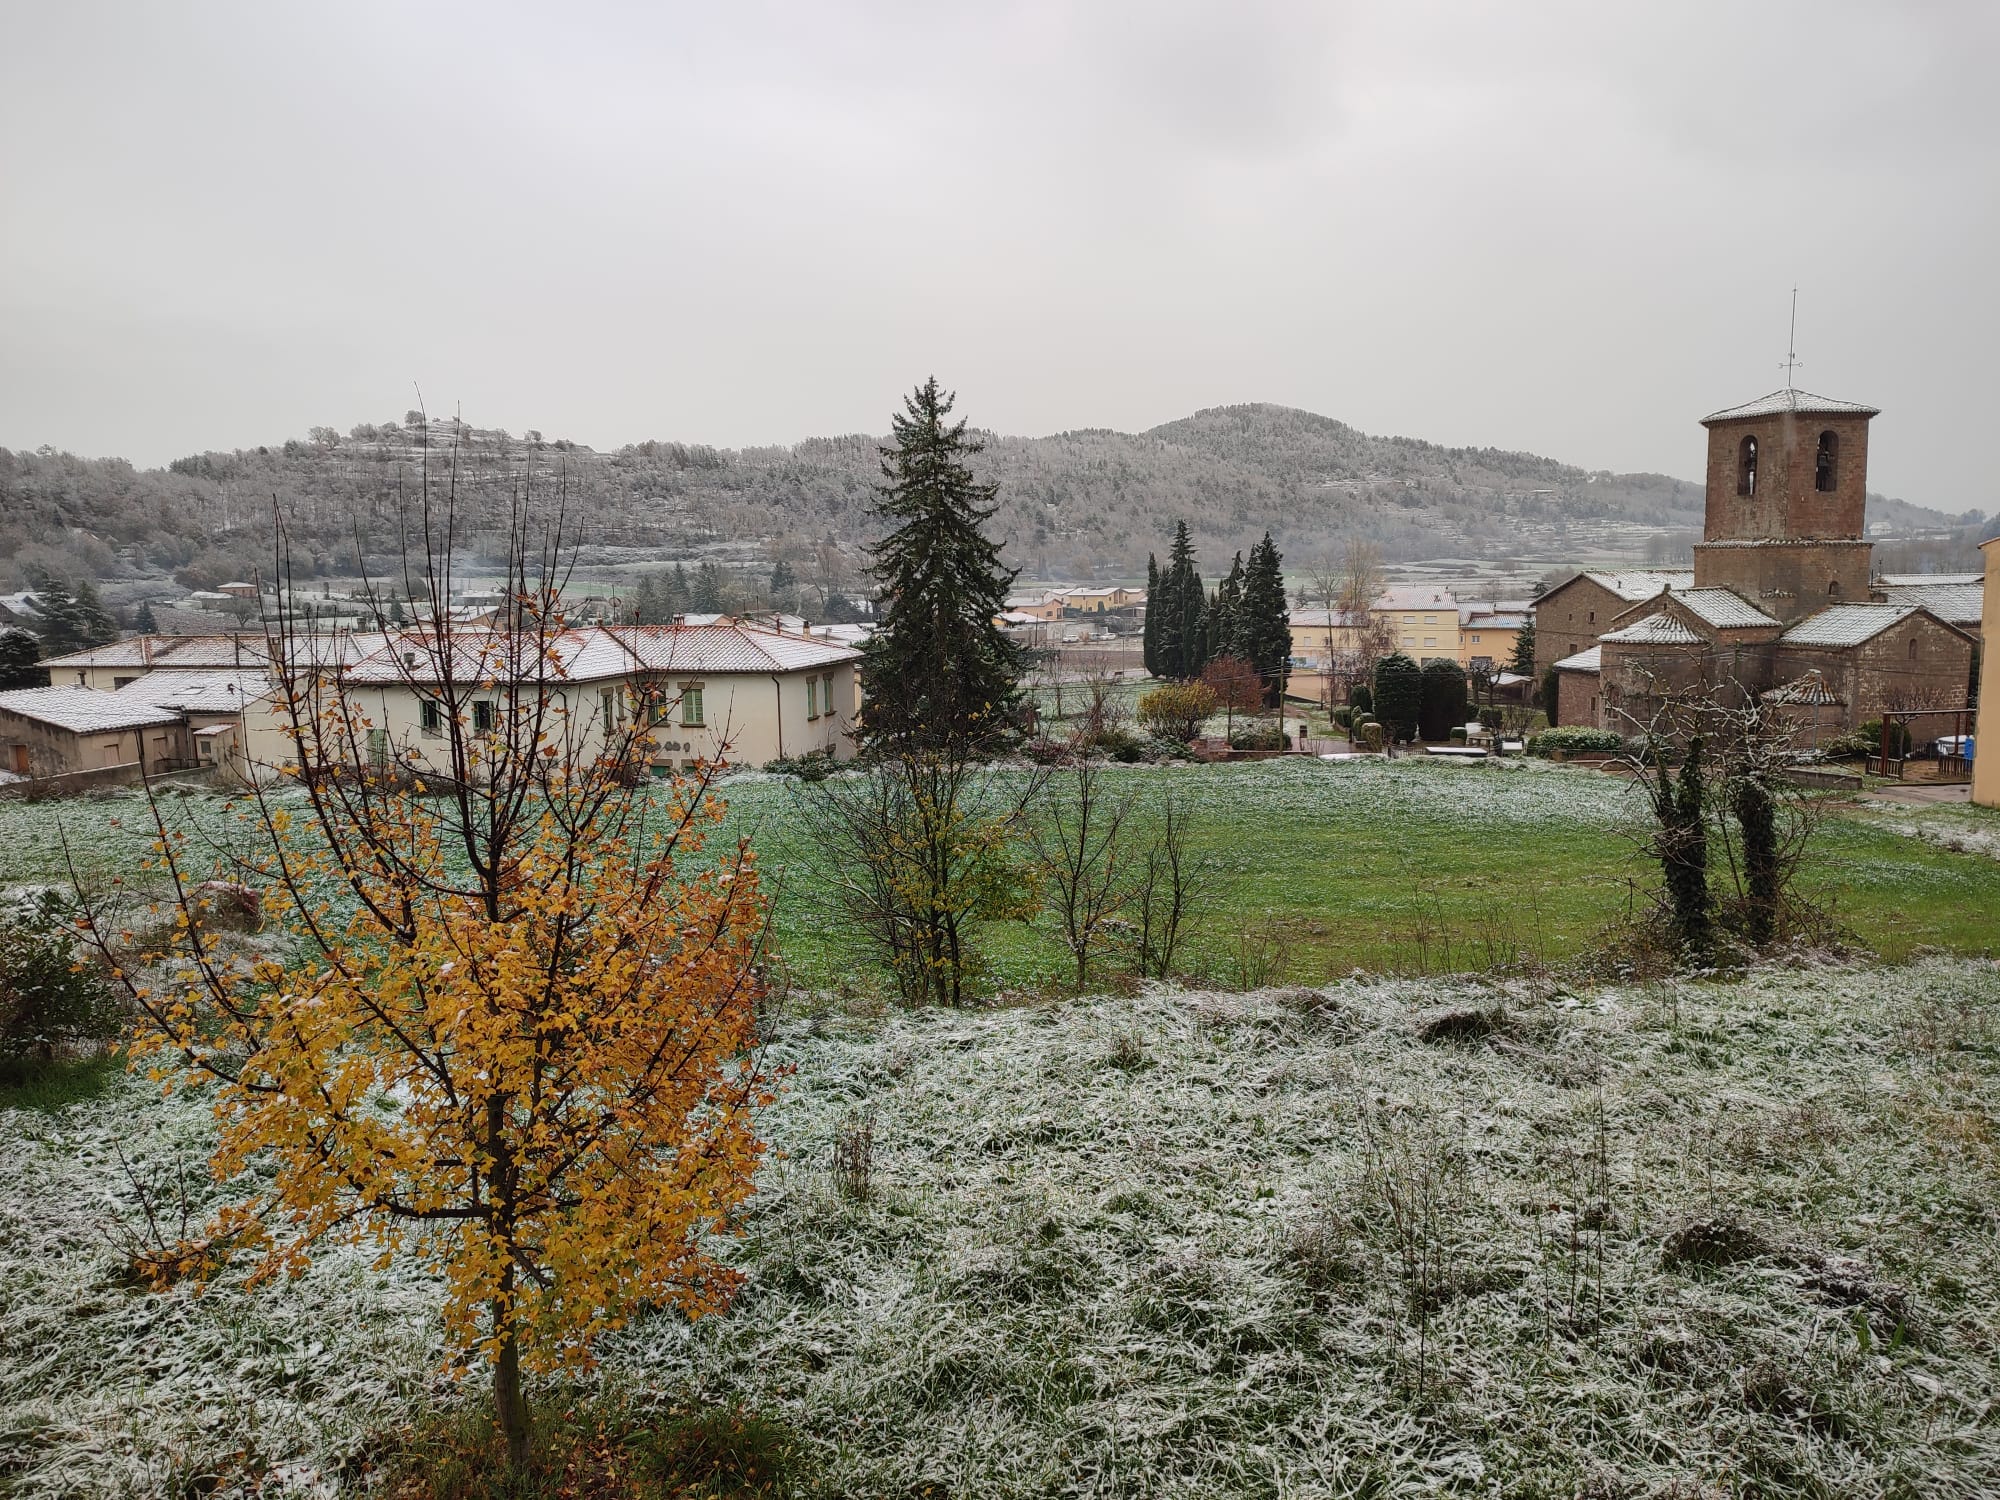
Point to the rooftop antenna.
(1792, 343)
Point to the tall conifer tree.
(937, 673)
(1151, 645)
(1179, 644)
(1263, 636)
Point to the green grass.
(1314, 869)
(1413, 866)
(30, 1083)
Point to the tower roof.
(1789, 400)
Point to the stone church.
(1781, 604)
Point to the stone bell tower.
(1787, 489)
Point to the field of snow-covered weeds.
(1386, 1238)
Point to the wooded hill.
(1090, 503)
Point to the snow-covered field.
(1702, 1238)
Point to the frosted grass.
(1138, 1248)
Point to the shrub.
(1872, 734)
(1361, 700)
(1177, 710)
(48, 996)
(1399, 694)
(1343, 716)
(1258, 736)
(1551, 693)
(1576, 739)
(814, 765)
(1443, 704)
(1458, 735)
(1489, 719)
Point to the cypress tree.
(1182, 601)
(1222, 622)
(1263, 634)
(1399, 695)
(1444, 698)
(146, 624)
(1150, 649)
(937, 674)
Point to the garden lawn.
(1311, 869)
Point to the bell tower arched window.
(1833, 588)
(1826, 463)
(1746, 467)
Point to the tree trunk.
(509, 1402)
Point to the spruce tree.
(1263, 631)
(144, 621)
(937, 673)
(1524, 650)
(646, 601)
(20, 657)
(1150, 648)
(707, 596)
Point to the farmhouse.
(60, 731)
(1780, 596)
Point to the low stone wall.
(71, 782)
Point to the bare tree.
(1167, 897)
(1078, 847)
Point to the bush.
(1258, 736)
(1177, 710)
(1443, 706)
(1871, 736)
(49, 997)
(1458, 735)
(1489, 719)
(814, 765)
(1399, 694)
(1343, 716)
(1575, 739)
(1361, 700)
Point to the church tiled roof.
(1723, 608)
(1655, 630)
(1846, 624)
(1789, 400)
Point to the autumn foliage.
(506, 1028)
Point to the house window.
(1430, 640)
(691, 705)
(1430, 619)
(482, 716)
(1593, 617)
(1746, 467)
(826, 692)
(1475, 637)
(119, 682)
(432, 719)
(608, 706)
(812, 697)
(1826, 463)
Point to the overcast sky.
(1572, 229)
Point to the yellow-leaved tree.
(508, 1026)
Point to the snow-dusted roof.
(1723, 608)
(730, 646)
(1810, 690)
(1788, 400)
(1655, 630)
(475, 656)
(1584, 661)
(196, 652)
(1954, 603)
(83, 710)
(1643, 583)
(1493, 622)
(1888, 580)
(202, 692)
(1416, 596)
(1320, 619)
(1846, 624)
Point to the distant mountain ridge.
(1091, 502)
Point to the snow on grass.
(1735, 1234)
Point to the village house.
(1421, 619)
(725, 690)
(64, 731)
(1488, 630)
(1780, 597)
